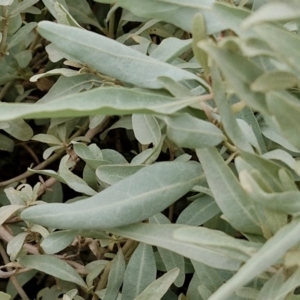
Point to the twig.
(13, 279)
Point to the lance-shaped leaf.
(228, 193)
(140, 272)
(159, 287)
(58, 241)
(161, 235)
(53, 266)
(115, 277)
(187, 131)
(106, 101)
(110, 57)
(133, 199)
(210, 239)
(229, 122)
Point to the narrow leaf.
(159, 287)
(142, 195)
(228, 193)
(140, 272)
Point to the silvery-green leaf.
(188, 131)
(161, 235)
(228, 193)
(159, 287)
(141, 195)
(57, 241)
(146, 129)
(106, 101)
(199, 211)
(111, 174)
(111, 58)
(170, 259)
(115, 277)
(15, 245)
(140, 272)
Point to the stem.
(13, 279)
(111, 28)
(5, 22)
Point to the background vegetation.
(149, 149)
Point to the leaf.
(145, 193)
(187, 131)
(273, 12)
(21, 34)
(199, 211)
(269, 254)
(170, 48)
(19, 130)
(112, 174)
(53, 266)
(6, 143)
(131, 66)
(274, 80)
(159, 287)
(212, 239)
(285, 109)
(82, 12)
(239, 72)
(281, 36)
(276, 137)
(22, 6)
(7, 210)
(161, 235)
(47, 138)
(271, 288)
(57, 241)
(208, 276)
(199, 33)
(6, 2)
(170, 259)
(15, 245)
(115, 277)
(229, 195)
(146, 129)
(3, 295)
(61, 71)
(140, 272)
(107, 101)
(73, 181)
(70, 85)
(229, 121)
(50, 4)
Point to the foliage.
(150, 149)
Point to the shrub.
(159, 141)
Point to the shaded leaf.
(53, 266)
